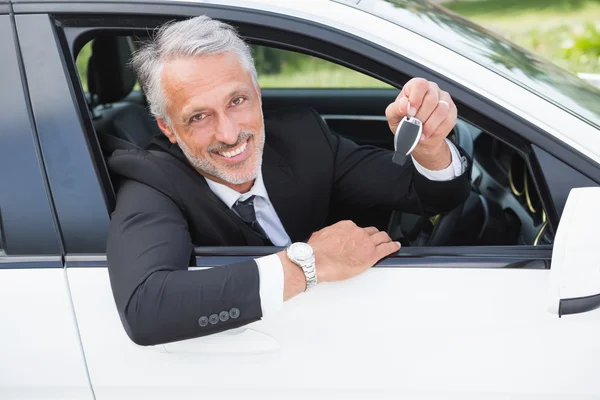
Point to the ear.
(166, 129)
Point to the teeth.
(229, 154)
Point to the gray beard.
(204, 165)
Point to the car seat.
(110, 81)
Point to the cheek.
(198, 141)
(249, 118)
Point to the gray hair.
(190, 38)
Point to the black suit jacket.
(165, 208)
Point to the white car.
(498, 299)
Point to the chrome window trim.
(354, 117)
(8, 259)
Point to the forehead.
(205, 76)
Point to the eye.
(238, 100)
(197, 117)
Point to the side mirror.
(575, 271)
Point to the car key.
(406, 138)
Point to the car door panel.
(387, 333)
(41, 354)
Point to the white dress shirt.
(270, 269)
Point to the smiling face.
(216, 117)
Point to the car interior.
(504, 207)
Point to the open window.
(350, 91)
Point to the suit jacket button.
(234, 313)
(213, 319)
(223, 316)
(202, 321)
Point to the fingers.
(380, 237)
(437, 117)
(435, 108)
(384, 246)
(387, 248)
(371, 230)
(415, 90)
(429, 103)
(444, 128)
(395, 112)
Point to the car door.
(428, 322)
(41, 355)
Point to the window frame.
(258, 26)
(24, 197)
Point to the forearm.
(176, 305)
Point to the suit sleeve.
(366, 176)
(149, 250)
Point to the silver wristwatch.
(302, 255)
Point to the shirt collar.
(230, 196)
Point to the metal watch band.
(310, 272)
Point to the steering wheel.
(436, 231)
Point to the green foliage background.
(566, 32)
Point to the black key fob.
(406, 139)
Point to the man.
(222, 175)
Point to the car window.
(505, 206)
(83, 60)
(82, 64)
(279, 68)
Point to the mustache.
(224, 146)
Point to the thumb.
(386, 249)
(396, 111)
(402, 106)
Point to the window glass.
(82, 64)
(504, 209)
(82, 60)
(281, 69)
(287, 69)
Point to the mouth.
(235, 155)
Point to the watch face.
(301, 251)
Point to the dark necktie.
(245, 210)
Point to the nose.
(227, 130)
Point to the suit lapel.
(281, 187)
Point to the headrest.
(110, 78)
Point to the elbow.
(143, 325)
(138, 332)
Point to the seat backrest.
(110, 81)
(110, 78)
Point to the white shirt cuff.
(270, 271)
(456, 168)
